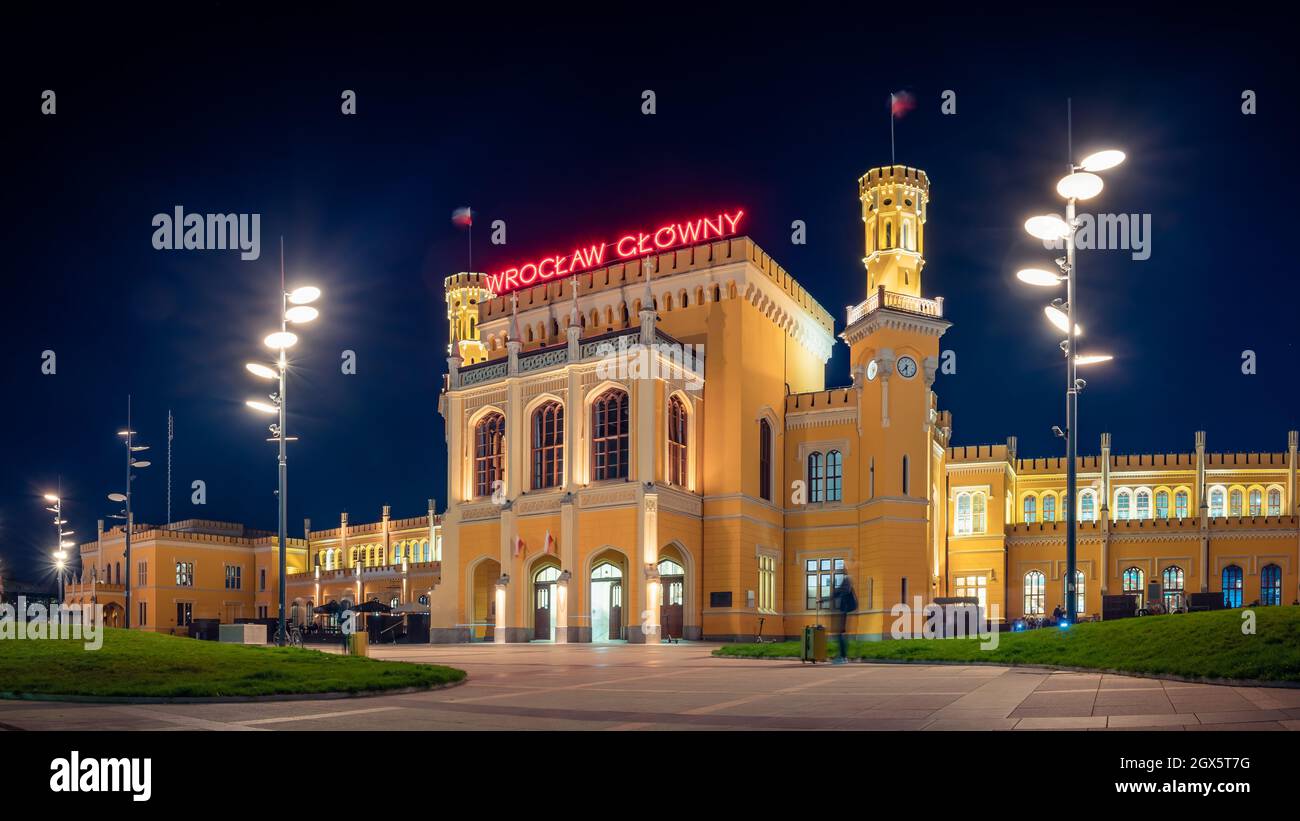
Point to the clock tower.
(893, 336)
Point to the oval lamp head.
(304, 295)
(1047, 226)
(264, 407)
(1092, 358)
(258, 369)
(1102, 160)
(140, 463)
(50, 497)
(1038, 276)
(1062, 322)
(280, 340)
(301, 313)
(1079, 186)
(117, 497)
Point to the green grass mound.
(1195, 645)
(149, 665)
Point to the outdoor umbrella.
(329, 609)
(371, 607)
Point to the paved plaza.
(682, 687)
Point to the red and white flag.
(550, 544)
(520, 547)
(901, 102)
(463, 217)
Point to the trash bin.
(359, 644)
(814, 644)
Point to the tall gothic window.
(609, 435)
(764, 459)
(677, 438)
(1035, 593)
(1049, 507)
(815, 477)
(1275, 502)
(1270, 585)
(1162, 504)
(1133, 577)
(489, 453)
(1031, 509)
(834, 476)
(1180, 504)
(548, 445)
(1232, 586)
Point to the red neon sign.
(629, 246)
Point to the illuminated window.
(185, 574)
(1035, 593)
(1270, 585)
(767, 584)
(1275, 502)
(1122, 504)
(973, 587)
(234, 577)
(1173, 584)
(1143, 504)
(609, 435)
(1049, 507)
(978, 503)
(970, 513)
(1216, 503)
(764, 459)
(1031, 509)
(815, 477)
(821, 578)
(548, 445)
(1232, 584)
(1256, 503)
(677, 438)
(834, 476)
(1235, 502)
(1087, 506)
(1080, 600)
(1162, 505)
(1133, 584)
(489, 455)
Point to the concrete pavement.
(681, 687)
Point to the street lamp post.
(295, 308)
(60, 549)
(1079, 184)
(132, 448)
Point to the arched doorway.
(672, 582)
(113, 614)
(607, 598)
(483, 607)
(544, 581)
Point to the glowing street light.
(1102, 160)
(1061, 320)
(1040, 277)
(281, 341)
(1047, 227)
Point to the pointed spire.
(514, 318)
(574, 316)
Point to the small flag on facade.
(549, 549)
(519, 546)
(463, 217)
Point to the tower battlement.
(465, 292)
(894, 201)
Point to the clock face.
(907, 367)
(872, 368)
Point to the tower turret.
(464, 293)
(894, 200)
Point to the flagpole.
(891, 128)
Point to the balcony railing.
(899, 302)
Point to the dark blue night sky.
(537, 121)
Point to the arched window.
(816, 478)
(548, 445)
(1256, 503)
(1087, 506)
(1162, 504)
(765, 459)
(1270, 585)
(1144, 504)
(1035, 590)
(717, 293)
(1049, 507)
(489, 453)
(677, 441)
(1172, 580)
(1232, 586)
(889, 235)
(1123, 502)
(668, 567)
(962, 523)
(834, 476)
(1216, 503)
(906, 238)
(1133, 577)
(609, 435)
(1031, 509)
(1180, 504)
(978, 505)
(1080, 600)
(1235, 502)
(1275, 502)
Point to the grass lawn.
(1195, 645)
(131, 663)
